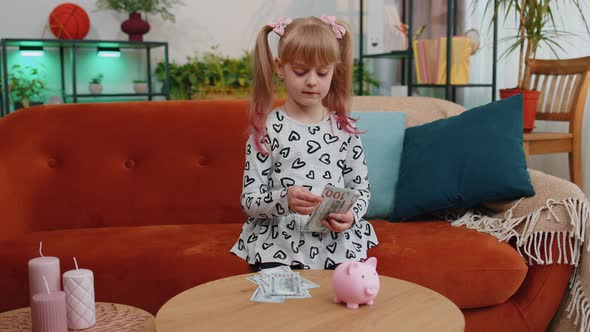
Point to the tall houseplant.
(536, 27)
(135, 26)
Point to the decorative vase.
(140, 88)
(135, 27)
(529, 106)
(95, 89)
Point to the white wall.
(233, 24)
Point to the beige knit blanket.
(558, 213)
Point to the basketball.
(69, 21)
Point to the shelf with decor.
(409, 76)
(68, 58)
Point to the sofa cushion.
(462, 161)
(382, 141)
(470, 268)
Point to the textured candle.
(43, 266)
(79, 289)
(48, 312)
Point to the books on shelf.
(431, 60)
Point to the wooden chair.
(564, 86)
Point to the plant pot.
(140, 87)
(529, 106)
(95, 88)
(135, 27)
(20, 104)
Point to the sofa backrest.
(135, 163)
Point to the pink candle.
(48, 311)
(44, 266)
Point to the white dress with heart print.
(313, 156)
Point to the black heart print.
(279, 255)
(261, 157)
(284, 193)
(343, 146)
(350, 254)
(294, 248)
(268, 198)
(277, 127)
(357, 151)
(327, 175)
(329, 263)
(275, 144)
(249, 202)
(280, 209)
(329, 138)
(291, 225)
(247, 167)
(241, 245)
(342, 165)
(285, 152)
(310, 188)
(298, 163)
(313, 251)
(367, 229)
(310, 175)
(263, 229)
(248, 181)
(325, 158)
(358, 233)
(280, 117)
(258, 258)
(334, 235)
(371, 244)
(266, 245)
(357, 179)
(332, 248)
(263, 189)
(265, 139)
(294, 136)
(287, 182)
(286, 235)
(248, 149)
(274, 232)
(347, 236)
(312, 146)
(313, 130)
(357, 246)
(278, 165)
(252, 238)
(266, 172)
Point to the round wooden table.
(109, 317)
(224, 305)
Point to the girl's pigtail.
(262, 96)
(340, 99)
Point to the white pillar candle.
(43, 266)
(79, 289)
(48, 311)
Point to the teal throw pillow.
(459, 162)
(382, 143)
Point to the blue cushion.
(382, 143)
(464, 160)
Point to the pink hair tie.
(338, 29)
(279, 27)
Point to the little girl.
(297, 149)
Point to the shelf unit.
(406, 56)
(70, 48)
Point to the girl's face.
(307, 85)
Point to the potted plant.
(140, 86)
(536, 26)
(95, 85)
(135, 26)
(24, 84)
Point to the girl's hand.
(339, 222)
(301, 200)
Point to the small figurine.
(356, 283)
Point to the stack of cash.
(334, 200)
(280, 283)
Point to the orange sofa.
(146, 194)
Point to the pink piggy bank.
(356, 283)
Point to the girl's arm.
(356, 176)
(258, 201)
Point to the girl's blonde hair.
(311, 41)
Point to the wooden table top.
(109, 317)
(224, 305)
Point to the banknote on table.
(334, 200)
(280, 283)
